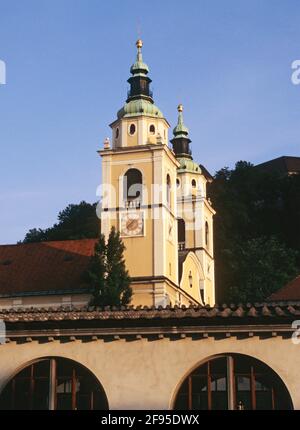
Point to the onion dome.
(181, 141)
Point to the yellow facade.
(147, 218)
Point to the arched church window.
(194, 183)
(168, 190)
(206, 234)
(152, 129)
(117, 133)
(181, 233)
(132, 129)
(233, 382)
(178, 183)
(53, 383)
(133, 187)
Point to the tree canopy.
(76, 221)
(256, 230)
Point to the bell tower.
(139, 173)
(195, 214)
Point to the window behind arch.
(133, 186)
(75, 387)
(252, 385)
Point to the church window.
(194, 183)
(117, 133)
(132, 129)
(177, 183)
(152, 129)
(181, 234)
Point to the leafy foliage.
(256, 230)
(76, 221)
(263, 266)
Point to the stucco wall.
(144, 374)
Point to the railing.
(132, 204)
(181, 246)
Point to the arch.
(53, 383)
(194, 183)
(254, 385)
(152, 129)
(133, 186)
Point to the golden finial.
(180, 108)
(139, 43)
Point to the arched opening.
(168, 190)
(152, 129)
(181, 233)
(233, 382)
(133, 187)
(53, 384)
(117, 132)
(194, 183)
(132, 129)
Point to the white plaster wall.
(144, 374)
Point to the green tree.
(260, 267)
(251, 205)
(107, 274)
(76, 221)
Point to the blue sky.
(67, 61)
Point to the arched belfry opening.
(53, 383)
(133, 188)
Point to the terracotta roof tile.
(44, 267)
(218, 314)
(289, 292)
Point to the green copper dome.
(139, 107)
(181, 141)
(180, 130)
(139, 68)
(188, 165)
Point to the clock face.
(132, 224)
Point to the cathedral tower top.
(181, 141)
(140, 97)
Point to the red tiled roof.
(44, 267)
(289, 292)
(258, 312)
